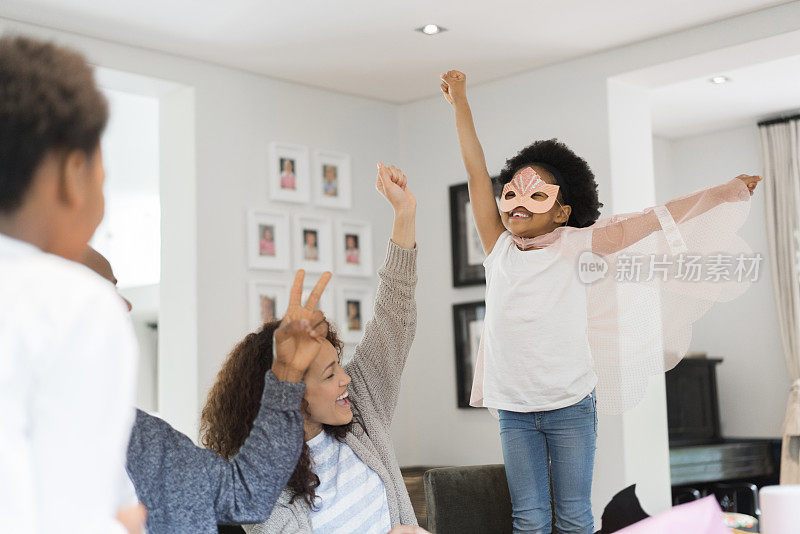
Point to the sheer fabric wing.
(665, 267)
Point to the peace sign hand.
(299, 337)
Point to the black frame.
(463, 314)
(463, 273)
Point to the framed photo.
(268, 240)
(313, 244)
(353, 243)
(267, 302)
(355, 310)
(330, 179)
(468, 327)
(289, 173)
(467, 248)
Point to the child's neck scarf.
(526, 243)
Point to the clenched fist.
(454, 86)
(750, 181)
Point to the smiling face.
(523, 222)
(326, 401)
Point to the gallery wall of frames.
(298, 236)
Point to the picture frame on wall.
(353, 243)
(466, 246)
(268, 240)
(468, 318)
(267, 301)
(355, 305)
(312, 242)
(331, 179)
(289, 179)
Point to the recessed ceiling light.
(431, 29)
(719, 79)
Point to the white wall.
(144, 300)
(753, 381)
(130, 234)
(642, 431)
(238, 115)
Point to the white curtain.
(781, 157)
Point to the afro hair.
(580, 183)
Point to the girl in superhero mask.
(580, 311)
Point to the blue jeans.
(564, 441)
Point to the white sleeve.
(82, 417)
(500, 246)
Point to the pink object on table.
(698, 517)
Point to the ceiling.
(755, 92)
(369, 48)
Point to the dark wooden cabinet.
(699, 455)
(692, 402)
(734, 460)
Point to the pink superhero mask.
(524, 185)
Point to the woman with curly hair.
(189, 489)
(347, 479)
(554, 330)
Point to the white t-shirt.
(351, 497)
(67, 385)
(536, 346)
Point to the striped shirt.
(351, 497)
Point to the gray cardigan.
(188, 489)
(375, 370)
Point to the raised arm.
(163, 462)
(393, 184)
(613, 237)
(381, 355)
(481, 193)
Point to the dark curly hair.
(579, 188)
(48, 101)
(234, 400)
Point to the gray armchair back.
(467, 500)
